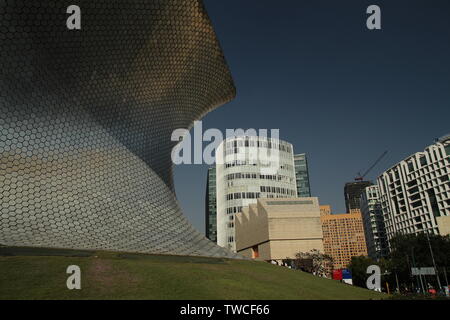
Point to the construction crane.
(361, 177)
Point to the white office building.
(415, 193)
(374, 229)
(248, 168)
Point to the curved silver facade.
(86, 118)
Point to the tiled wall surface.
(86, 118)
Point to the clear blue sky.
(337, 91)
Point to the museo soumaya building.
(87, 117)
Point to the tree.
(411, 250)
(358, 266)
(314, 262)
(407, 251)
(417, 248)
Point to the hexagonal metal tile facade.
(87, 116)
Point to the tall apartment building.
(242, 178)
(374, 229)
(415, 193)
(211, 205)
(352, 194)
(343, 236)
(302, 175)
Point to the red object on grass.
(337, 274)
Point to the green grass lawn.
(31, 273)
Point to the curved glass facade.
(249, 168)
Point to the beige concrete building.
(343, 236)
(443, 223)
(276, 229)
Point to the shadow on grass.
(6, 251)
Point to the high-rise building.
(352, 193)
(343, 236)
(373, 221)
(248, 168)
(211, 205)
(325, 210)
(276, 229)
(302, 175)
(415, 193)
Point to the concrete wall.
(253, 227)
(443, 225)
(282, 249)
(279, 227)
(264, 252)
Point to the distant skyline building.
(415, 193)
(343, 236)
(211, 205)
(241, 179)
(352, 194)
(374, 229)
(302, 175)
